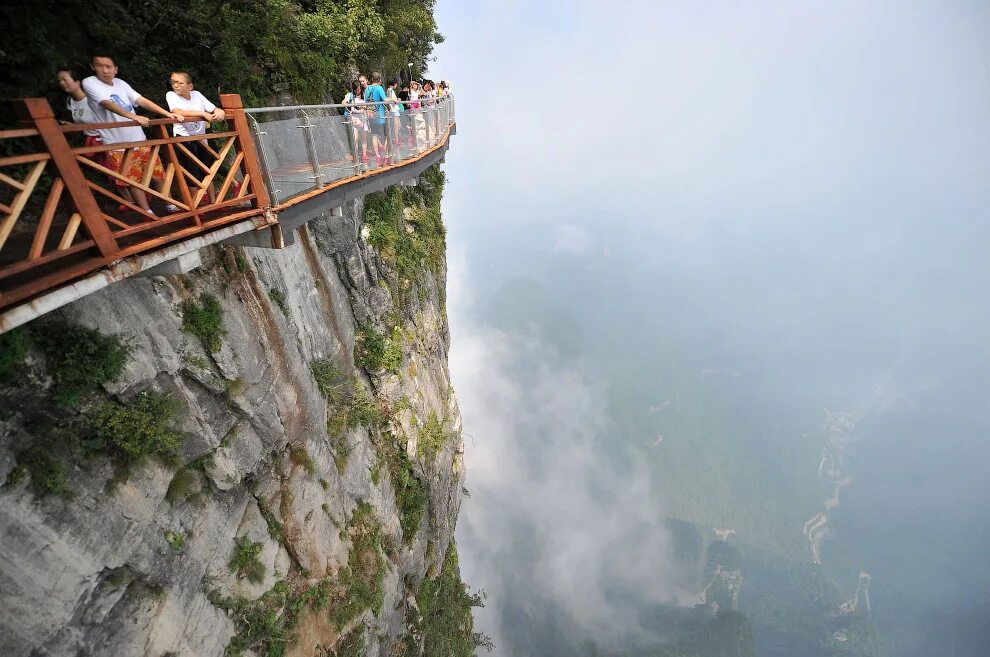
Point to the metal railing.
(66, 212)
(303, 148)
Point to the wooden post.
(234, 109)
(180, 178)
(38, 112)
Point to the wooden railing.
(64, 213)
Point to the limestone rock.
(126, 567)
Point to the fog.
(679, 236)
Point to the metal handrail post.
(436, 124)
(416, 113)
(266, 170)
(314, 160)
(352, 139)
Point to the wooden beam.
(41, 235)
(232, 105)
(40, 113)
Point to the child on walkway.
(112, 100)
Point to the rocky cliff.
(262, 456)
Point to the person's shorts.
(137, 166)
(99, 158)
(200, 152)
(378, 128)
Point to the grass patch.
(376, 352)
(359, 583)
(431, 437)
(181, 486)
(13, 351)
(349, 404)
(205, 321)
(175, 540)
(264, 626)
(241, 262)
(49, 476)
(126, 433)
(410, 493)
(267, 625)
(352, 644)
(278, 298)
(275, 528)
(300, 456)
(235, 388)
(79, 358)
(416, 252)
(446, 624)
(244, 560)
(195, 360)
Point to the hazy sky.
(816, 172)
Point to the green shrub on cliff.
(141, 428)
(376, 352)
(445, 604)
(244, 560)
(79, 358)
(13, 350)
(414, 243)
(205, 321)
(431, 437)
(360, 582)
(256, 48)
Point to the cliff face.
(276, 471)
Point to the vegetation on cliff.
(304, 48)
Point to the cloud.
(571, 239)
(550, 508)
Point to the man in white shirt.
(190, 104)
(114, 101)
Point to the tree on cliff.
(257, 48)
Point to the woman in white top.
(355, 115)
(79, 108)
(82, 112)
(190, 104)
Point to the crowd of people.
(103, 98)
(377, 115)
(380, 115)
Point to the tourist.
(395, 112)
(375, 93)
(190, 104)
(112, 100)
(355, 115)
(79, 109)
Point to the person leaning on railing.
(190, 104)
(112, 100)
(355, 116)
(375, 93)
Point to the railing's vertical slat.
(314, 159)
(180, 178)
(232, 105)
(39, 112)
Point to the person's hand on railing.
(216, 115)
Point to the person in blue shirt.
(375, 93)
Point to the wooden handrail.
(70, 197)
